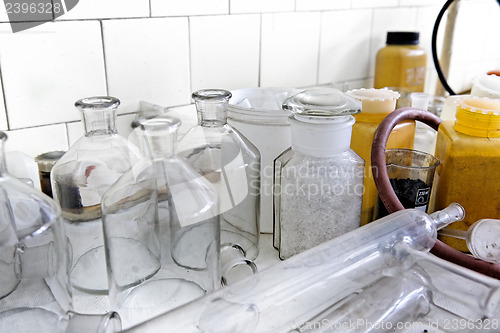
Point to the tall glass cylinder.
(161, 230)
(79, 180)
(232, 164)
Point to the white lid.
(321, 136)
(486, 86)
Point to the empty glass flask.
(318, 187)
(35, 294)
(80, 178)
(161, 230)
(232, 164)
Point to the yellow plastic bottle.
(401, 63)
(376, 105)
(469, 150)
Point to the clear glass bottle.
(468, 149)
(35, 294)
(161, 230)
(232, 164)
(80, 178)
(376, 105)
(319, 181)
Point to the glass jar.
(376, 105)
(45, 163)
(401, 63)
(469, 153)
(80, 178)
(319, 180)
(35, 294)
(256, 113)
(232, 164)
(161, 230)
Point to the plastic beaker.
(411, 173)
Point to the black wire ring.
(441, 76)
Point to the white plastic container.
(257, 114)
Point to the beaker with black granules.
(411, 173)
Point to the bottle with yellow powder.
(401, 63)
(469, 150)
(376, 105)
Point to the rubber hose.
(391, 201)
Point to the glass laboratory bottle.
(161, 230)
(232, 164)
(376, 105)
(319, 181)
(35, 294)
(469, 174)
(401, 63)
(80, 178)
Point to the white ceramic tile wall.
(160, 51)
(322, 4)
(47, 68)
(3, 114)
(261, 6)
(224, 51)
(345, 42)
(148, 60)
(37, 140)
(374, 3)
(189, 7)
(389, 19)
(92, 9)
(290, 44)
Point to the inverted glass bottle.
(80, 178)
(319, 181)
(161, 230)
(35, 294)
(232, 164)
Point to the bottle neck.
(159, 137)
(316, 136)
(98, 115)
(211, 105)
(478, 117)
(211, 114)
(99, 122)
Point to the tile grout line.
(106, 83)
(259, 73)
(318, 60)
(190, 49)
(4, 98)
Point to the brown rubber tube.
(392, 202)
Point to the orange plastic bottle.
(401, 63)
(376, 105)
(469, 150)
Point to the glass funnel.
(232, 164)
(80, 178)
(35, 295)
(161, 230)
